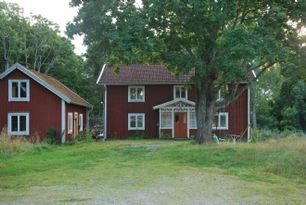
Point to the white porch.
(178, 116)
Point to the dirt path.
(199, 186)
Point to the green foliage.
(53, 136)
(260, 135)
(85, 137)
(220, 40)
(36, 43)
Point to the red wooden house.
(151, 101)
(33, 102)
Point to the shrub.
(85, 136)
(265, 134)
(137, 136)
(53, 136)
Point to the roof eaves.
(101, 73)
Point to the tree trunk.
(205, 111)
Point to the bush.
(85, 136)
(53, 137)
(137, 136)
(264, 134)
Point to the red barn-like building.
(33, 102)
(149, 100)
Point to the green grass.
(136, 163)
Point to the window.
(19, 90)
(70, 122)
(192, 120)
(221, 121)
(18, 123)
(136, 94)
(136, 121)
(166, 120)
(81, 122)
(180, 92)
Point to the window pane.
(23, 123)
(222, 121)
(133, 93)
(166, 120)
(139, 94)
(183, 92)
(133, 121)
(15, 89)
(177, 92)
(139, 121)
(14, 123)
(23, 90)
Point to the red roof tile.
(75, 98)
(141, 74)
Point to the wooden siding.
(118, 108)
(44, 107)
(75, 109)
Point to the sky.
(57, 11)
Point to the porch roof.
(175, 103)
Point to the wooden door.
(180, 125)
(76, 124)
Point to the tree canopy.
(221, 40)
(36, 43)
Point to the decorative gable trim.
(35, 78)
(175, 103)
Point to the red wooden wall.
(118, 108)
(44, 107)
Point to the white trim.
(166, 127)
(18, 99)
(173, 124)
(35, 78)
(101, 72)
(136, 87)
(18, 114)
(136, 116)
(174, 93)
(188, 128)
(63, 119)
(105, 112)
(81, 122)
(219, 114)
(159, 124)
(191, 103)
(249, 115)
(70, 123)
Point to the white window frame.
(170, 121)
(136, 116)
(18, 114)
(137, 99)
(180, 87)
(18, 99)
(218, 127)
(70, 123)
(190, 120)
(81, 122)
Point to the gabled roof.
(141, 74)
(175, 103)
(50, 84)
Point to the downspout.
(105, 112)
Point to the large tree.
(222, 40)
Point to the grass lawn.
(156, 172)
